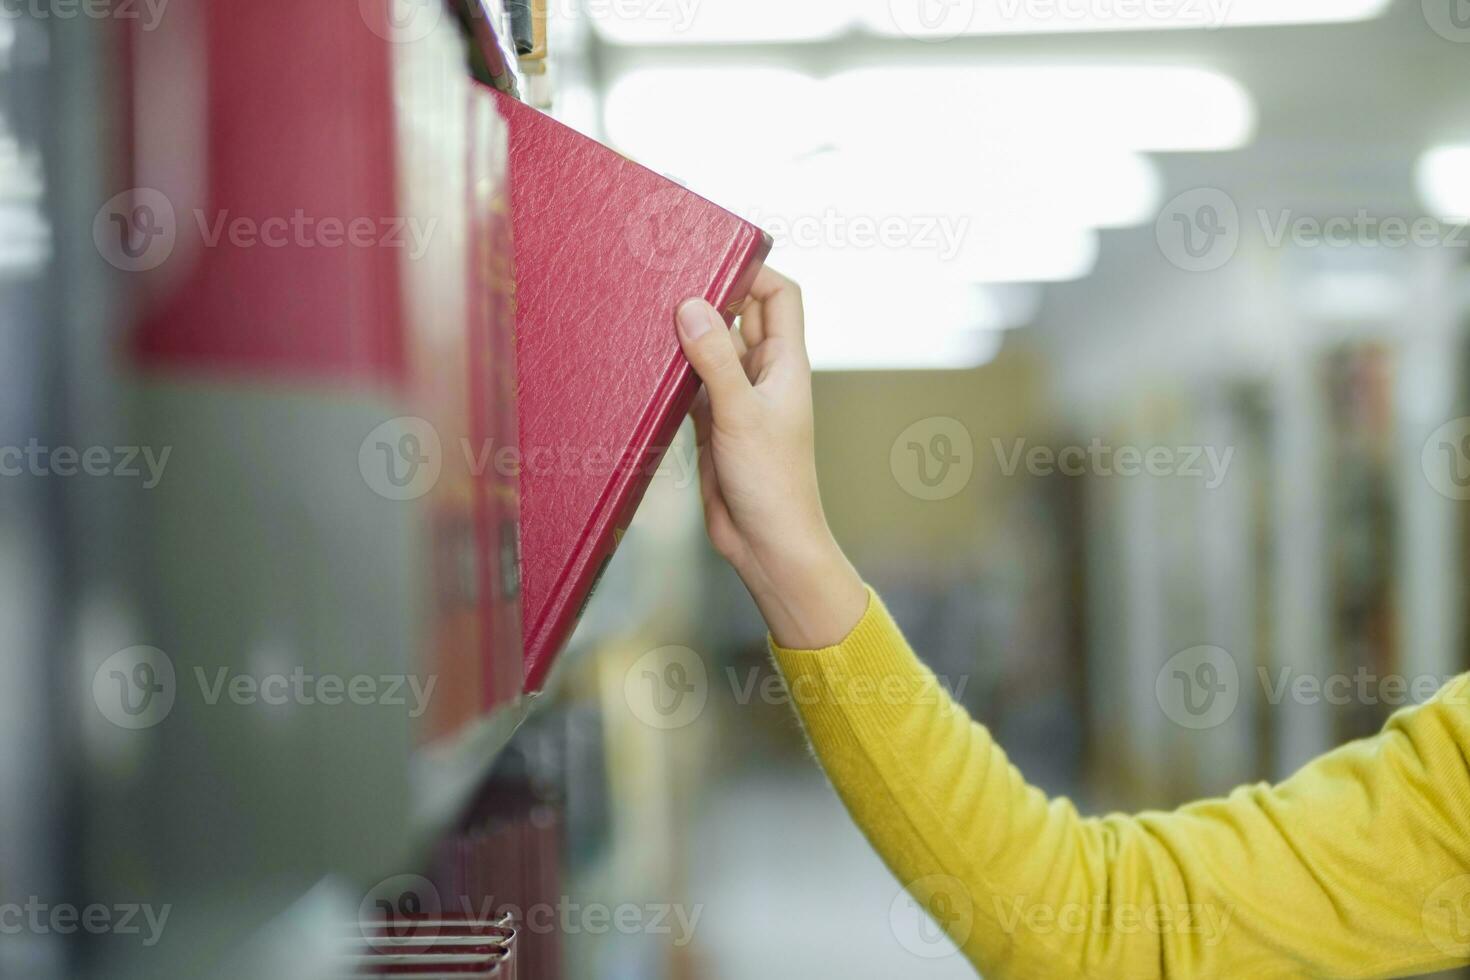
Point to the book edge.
(743, 260)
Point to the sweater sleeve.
(1357, 866)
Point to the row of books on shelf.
(506, 314)
(486, 907)
(436, 949)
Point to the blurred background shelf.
(443, 779)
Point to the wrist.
(809, 593)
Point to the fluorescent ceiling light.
(894, 352)
(893, 327)
(993, 181)
(786, 21)
(944, 19)
(677, 119)
(1127, 107)
(681, 114)
(957, 185)
(937, 200)
(993, 254)
(1443, 178)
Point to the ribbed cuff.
(871, 680)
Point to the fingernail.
(694, 321)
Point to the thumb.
(710, 348)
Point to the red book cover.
(605, 251)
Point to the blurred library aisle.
(792, 890)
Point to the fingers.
(752, 326)
(702, 421)
(711, 349)
(740, 346)
(774, 309)
(716, 513)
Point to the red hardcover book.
(605, 250)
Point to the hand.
(757, 465)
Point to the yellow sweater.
(1357, 866)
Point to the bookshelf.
(276, 358)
